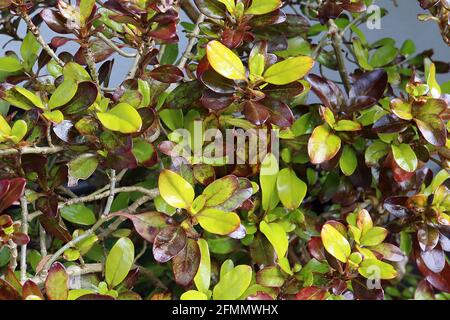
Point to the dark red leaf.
(15, 190)
(256, 113)
(167, 74)
(30, 288)
(311, 293)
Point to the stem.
(111, 193)
(31, 150)
(337, 44)
(191, 42)
(13, 251)
(42, 240)
(23, 248)
(90, 60)
(37, 34)
(110, 43)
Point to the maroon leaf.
(441, 280)
(84, 97)
(330, 95)
(167, 74)
(428, 238)
(424, 291)
(20, 238)
(217, 83)
(4, 187)
(284, 93)
(147, 224)
(256, 113)
(100, 52)
(396, 206)
(367, 90)
(186, 263)
(315, 248)
(57, 282)
(434, 259)
(363, 292)
(55, 227)
(168, 243)
(216, 101)
(15, 190)
(329, 10)
(280, 113)
(259, 296)
(54, 21)
(166, 33)
(390, 124)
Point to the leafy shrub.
(100, 199)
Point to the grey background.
(401, 23)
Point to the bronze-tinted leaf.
(311, 293)
(147, 224)
(186, 263)
(168, 243)
(30, 288)
(84, 97)
(256, 113)
(167, 74)
(57, 282)
(15, 190)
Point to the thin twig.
(191, 42)
(31, 150)
(13, 255)
(90, 61)
(37, 34)
(114, 46)
(23, 248)
(111, 193)
(42, 240)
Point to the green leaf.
(323, 145)
(291, 189)
(86, 7)
(218, 222)
(377, 270)
(347, 125)
(348, 161)
(82, 167)
(29, 50)
(408, 48)
(203, 277)
(36, 100)
(263, 6)
(229, 4)
(362, 54)
(383, 56)
(55, 116)
(123, 118)
(73, 71)
(79, 214)
(175, 190)
(10, 64)
(224, 61)
(405, 157)
(335, 243)
(375, 152)
(19, 130)
(193, 295)
(63, 94)
(289, 70)
(233, 284)
(119, 262)
(435, 89)
(276, 235)
(401, 109)
(374, 236)
(268, 182)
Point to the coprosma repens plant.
(101, 196)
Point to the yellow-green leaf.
(193, 295)
(268, 182)
(374, 236)
(289, 70)
(203, 277)
(377, 270)
(123, 118)
(218, 222)
(405, 157)
(224, 61)
(291, 189)
(55, 116)
(63, 94)
(233, 284)
(175, 190)
(10, 64)
(19, 130)
(5, 128)
(323, 145)
(263, 6)
(119, 262)
(229, 4)
(276, 235)
(335, 243)
(35, 99)
(348, 161)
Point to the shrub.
(227, 166)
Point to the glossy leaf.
(57, 282)
(123, 118)
(323, 145)
(288, 71)
(335, 243)
(291, 189)
(224, 61)
(218, 222)
(119, 262)
(175, 190)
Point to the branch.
(110, 43)
(111, 193)
(37, 34)
(23, 248)
(31, 150)
(337, 43)
(13, 252)
(191, 42)
(42, 240)
(189, 9)
(90, 60)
